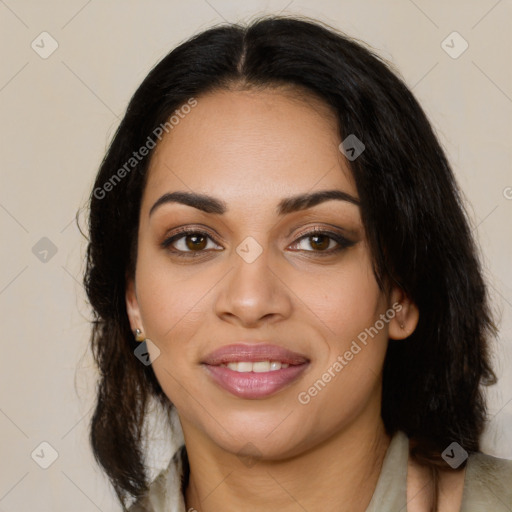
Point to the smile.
(254, 371)
(257, 367)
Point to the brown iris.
(319, 242)
(196, 242)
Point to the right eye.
(190, 241)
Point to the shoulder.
(483, 485)
(488, 484)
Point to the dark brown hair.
(415, 222)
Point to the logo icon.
(249, 455)
(147, 352)
(454, 45)
(454, 455)
(352, 147)
(44, 45)
(44, 250)
(44, 455)
(249, 250)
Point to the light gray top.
(487, 484)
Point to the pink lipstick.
(254, 371)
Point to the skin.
(251, 149)
(419, 489)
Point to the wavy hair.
(417, 228)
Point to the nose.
(253, 293)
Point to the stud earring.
(402, 326)
(138, 335)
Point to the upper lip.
(253, 353)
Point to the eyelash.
(343, 243)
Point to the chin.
(270, 435)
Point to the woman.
(279, 256)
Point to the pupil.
(320, 242)
(195, 242)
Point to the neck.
(340, 474)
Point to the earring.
(138, 335)
(402, 326)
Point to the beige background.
(57, 117)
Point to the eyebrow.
(288, 205)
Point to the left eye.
(321, 242)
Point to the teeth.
(244, 367)
(261, 366)
(256, 367)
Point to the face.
(254, 279)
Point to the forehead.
(251, 147)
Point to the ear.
(132, 306)
(406, 316)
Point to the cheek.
(170, 306)
(348, 303)
(170, 297)
(346, 299)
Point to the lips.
(253, 353)
(254, 371)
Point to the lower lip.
(252, 385)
